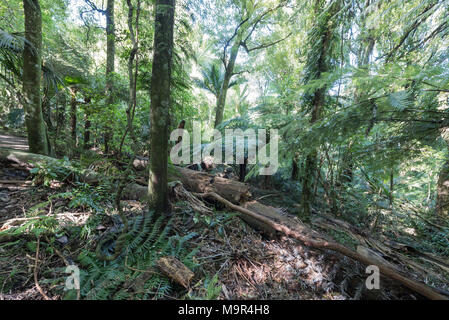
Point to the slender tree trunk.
(87, 125)
(295, 169)
(311, 160)
(46, 113)
(60, 116)
(229, 71)
(73, 120)
(391, 187)
(442, 202)
(160, 104)
(110, 68)
(132, 75)
(242, 173)
(32, 73)
(347, 166)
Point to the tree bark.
(60, 115)
(32, 73)
(295, 169)
(132, 75)
(87, 125)
(442, 202)
(73, 119)
(110, 68)
(229, 70)
(160, 104)
(367, 42)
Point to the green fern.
(147, 241)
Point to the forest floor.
(249, 265)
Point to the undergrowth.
(133, 274)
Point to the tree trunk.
(242, 171)
(367, 41)
(132, 75)
(73, 120)
(391, 198)
(160, 104)
(60, 116)
(318, 99)
(442, 203)
(295, 169)
(229, 70)
(110, 68)
(46, 113)
(311, 160)
(32, 73)
(87, 125)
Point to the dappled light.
(224, 150)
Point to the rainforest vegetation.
(353, 96)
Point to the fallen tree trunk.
(201, 182)
(198, 182)
(322, 244)
(27, 160)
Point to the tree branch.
(265, 45)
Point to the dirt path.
(13, 142)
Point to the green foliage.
(85, 196)
(59, 170)
(39, 225)
(210, 289)
(133, 274)
(218, 220)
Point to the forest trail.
(13, 142)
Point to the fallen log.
(175, 270)
(322, 244)
(385, 247)
(27, 160)
(23, 158)
(201, 182)
(195, 181)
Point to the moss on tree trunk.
(160, 104)
(32, 73)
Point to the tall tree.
(366, 41)
(32, 73)
(132, 74)
(253, 15)
(212, 80)
(110, 66)
(160, 104)
(318, 62)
